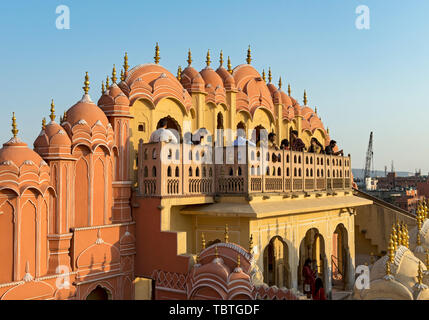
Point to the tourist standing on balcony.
(315, 146)
(271, 141)
(296, 143)
(330, 149)
(319, 292)
(309, 278)
(163, 134)
(284, 145)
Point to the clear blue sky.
(360, 80)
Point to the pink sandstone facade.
(74, 225)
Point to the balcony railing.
(166, 169)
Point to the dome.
(285, 99)
(87, 111)
(227, 78)
(306, 112)
(213, 86)
(192, 80)
(113, 96)
(52, 135)
(18, 153)
(249, 81)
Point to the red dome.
(87, 111)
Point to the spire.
(251, 244)
(156, 58)
(288, 89)
(107, 83)
(419, 241)
(388, 272)
(122, 75)
(103, 89)
(315, 110)
(221, 59)
(249, 56)
(280, 83)
(226, 234)
(305, 98)
(52, 116)
(229, 65)
(179, 73)
(189, 57)
(269, 75)
(263, 76)
(208, 58)
(126, 64)
(238, 260)
(86, 83)
(114, 75)
(44, 124)
(14, 129)
(407, 236)
(203, 241)
(391, 249)
(327, 130)
(216, 253)
(65, 116)
(427, 258)
(394, 238)
(420, 274)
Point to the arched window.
(190, 171)
(153, 171)
(146, 172)
(197, 172)
(169, 171)
(177, 172)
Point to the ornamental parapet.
(170, 170)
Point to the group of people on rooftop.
(162, 134)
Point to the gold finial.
(327, 130)
(52, 116)
(315, 110)
(86, 83)
(249, 56)
(203, 241)
(226, 234)
(288, 89)
(371, 258)
(251, 244)
(14, 129)
(156, 53)
(208, 58)
(221, 59)
(263, 76)
(280, 83)
(122, 75)
(407, 237)
(394, 238)
(419, 241)
(107, 83)
(229, 65)
(269, 75)
(216, 253)
(189, 57)
(388, 272)
(44, 124)
(305, 98)
(65, 116)
(420, 274)
(103, 89)
(179, 73)
(391, 249)
(197, 259)
(238, 261)
(427, 258)
(126, 64)
(114, 75)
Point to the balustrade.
(180, 170)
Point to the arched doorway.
(259, 133)
(173, 125)
(340, 257)
(276, 263)
(219, 129)
(99, 293)
(312, 247)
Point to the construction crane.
(369, 160)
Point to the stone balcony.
(180, 170)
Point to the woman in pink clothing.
(309, 278)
